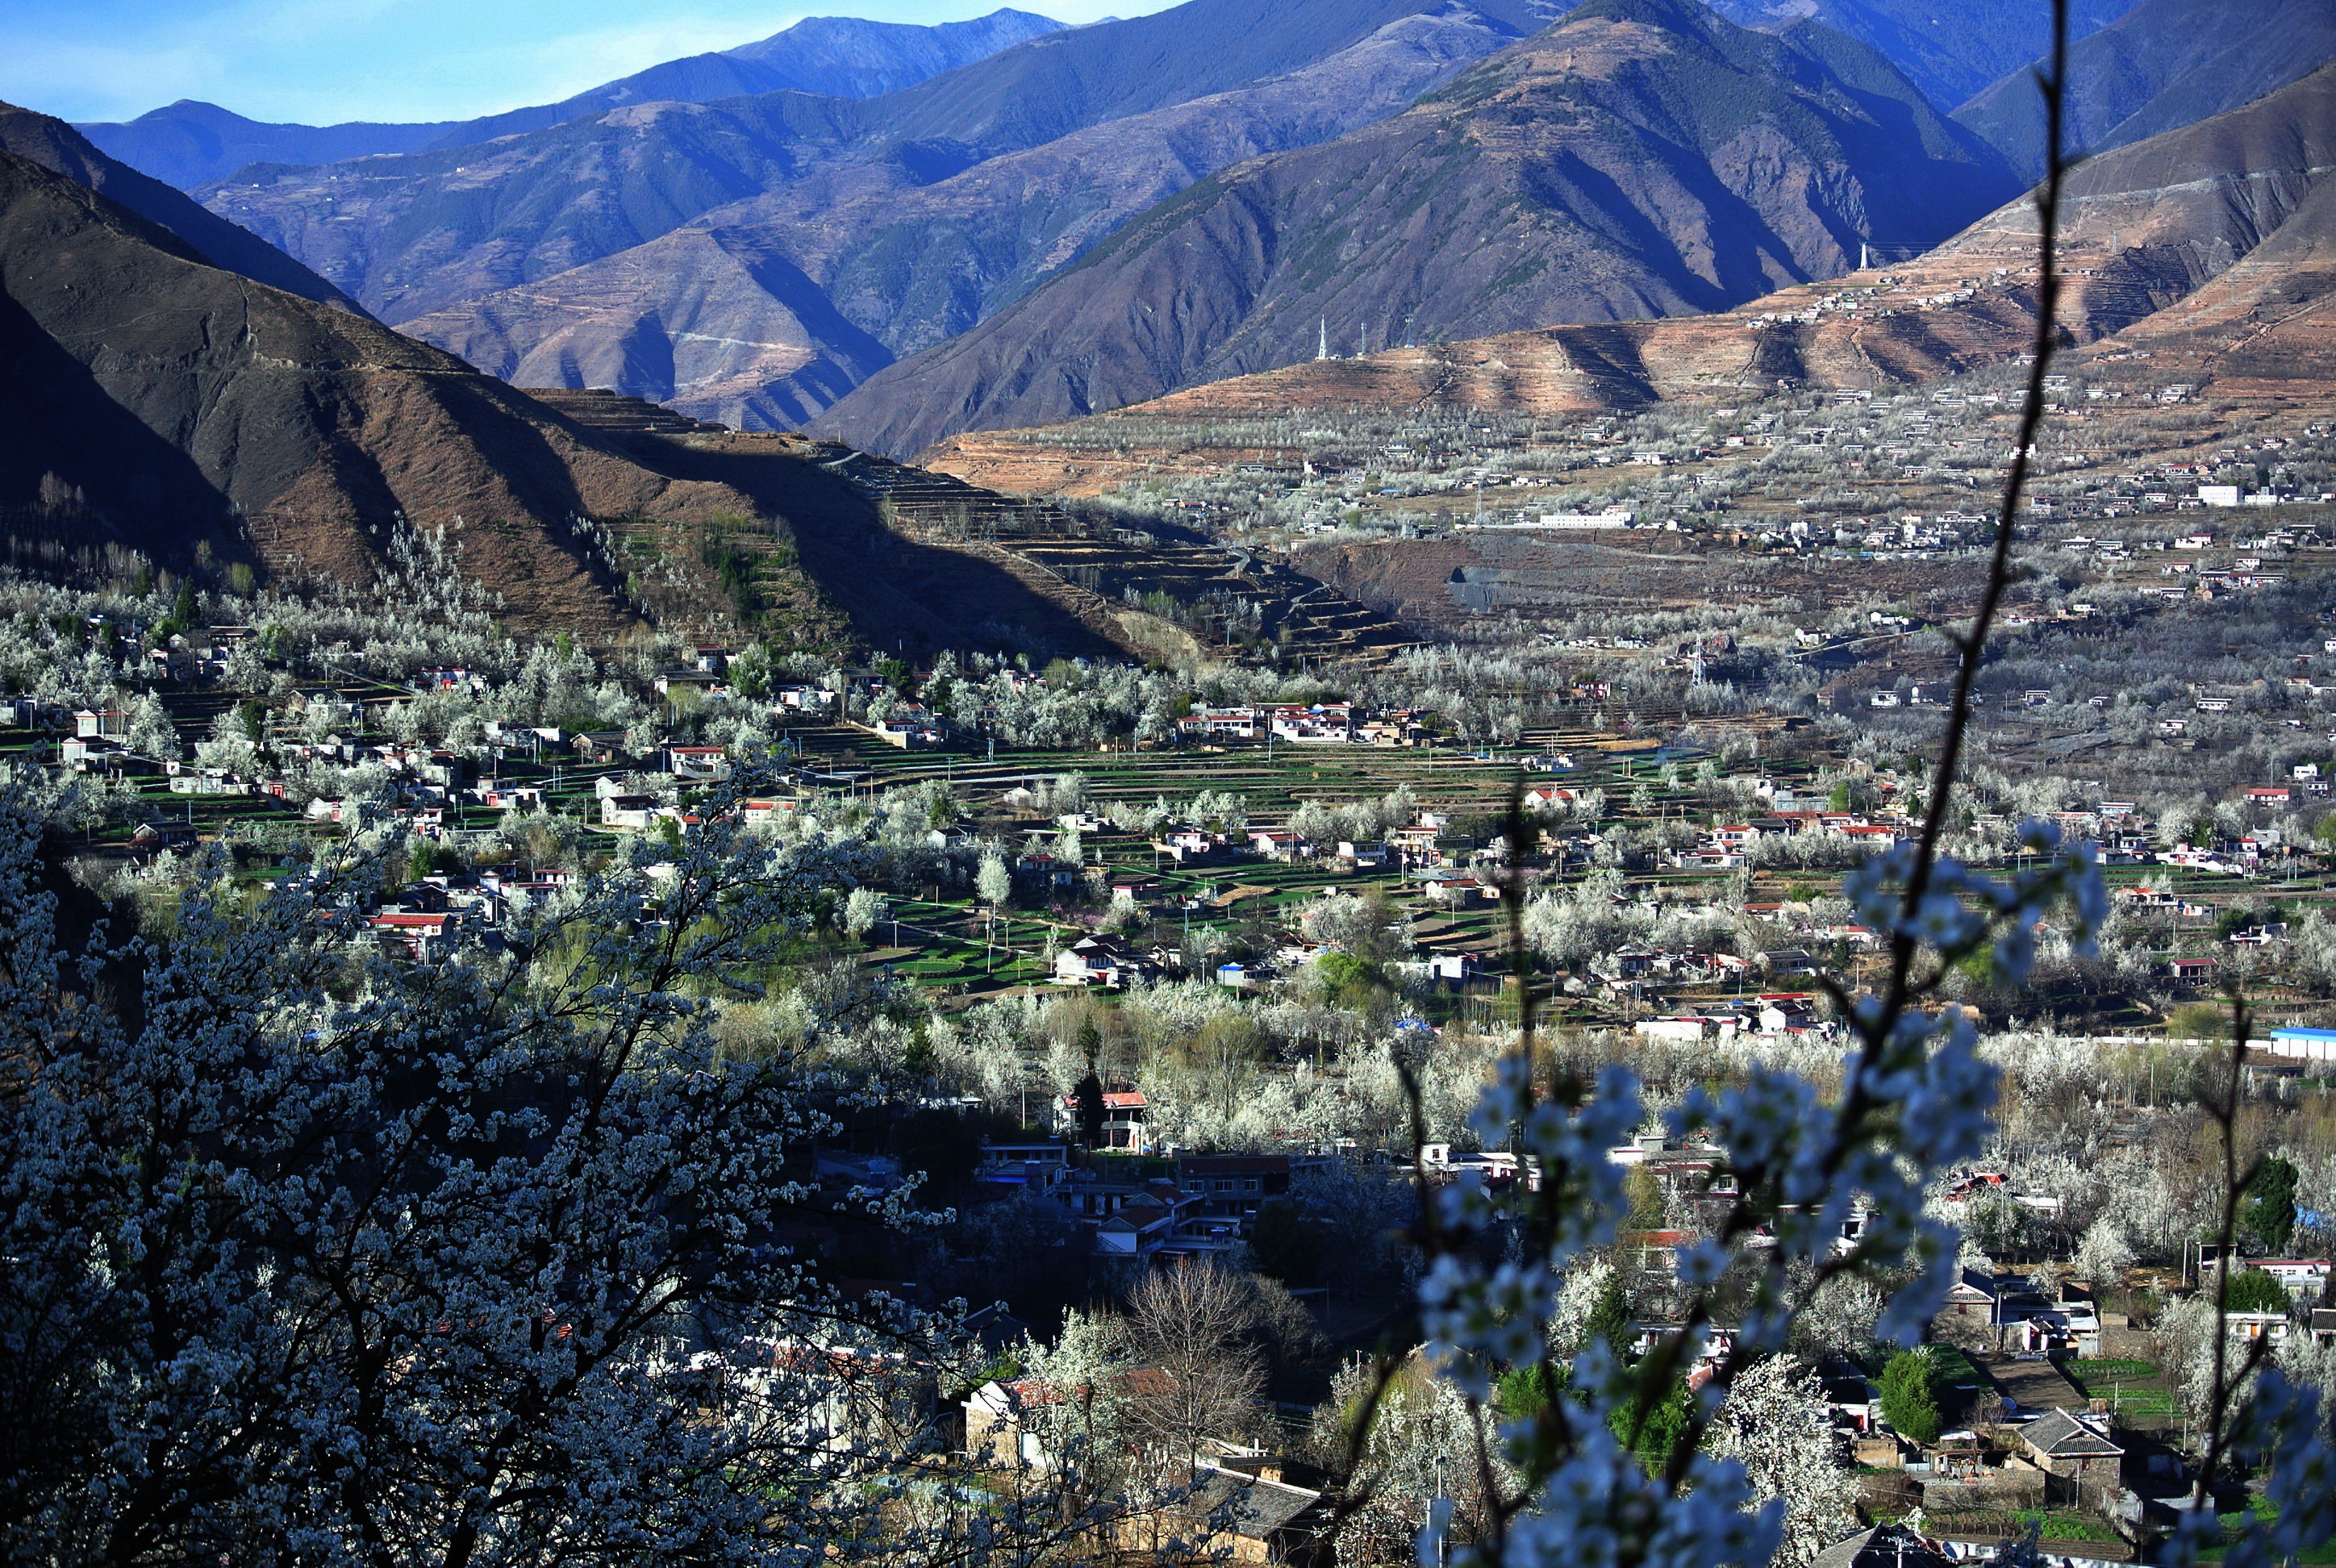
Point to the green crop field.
(2135, 1388)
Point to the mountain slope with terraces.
(907, 559)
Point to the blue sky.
(317, 62)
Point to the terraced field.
(1229, 599)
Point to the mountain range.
(164, 403)
(1950, 51)
(998, 240)
(839, 192)
(767, 311)
(1589, 207)
(1642, 158)
(192, 144)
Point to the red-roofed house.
(1122, 1119)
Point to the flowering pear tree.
(318, 1257)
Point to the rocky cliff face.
(1643, 158)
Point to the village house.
(701, 763)
(599, 748)
(1230, 1516)
(1455, 968)
(1688, 1028)
(1131, 888)
(1284, 847)
(1046, 870)
(1233, 1187)
(1144, 1226)
(1100, 960)
(1038, 1164)
(803, 699)
(427, 937)
(632, 811)
(911, 729)
(1187, 844)
(1219, 724)
(1458, 891)
(2301, 1278)
(1323, 725)
(496, 796)
(1973, 1301)
(1123, 1120)
(2077, 1453)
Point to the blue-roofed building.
(2307, 1044)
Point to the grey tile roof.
(2063, 1437)
(1883, 1546)
(1256, 1508)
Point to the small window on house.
(1250, 1186)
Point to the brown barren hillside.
(165, 402)
(58, 147)
(1847, 332)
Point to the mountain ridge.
(192, 144)
(412, 234)
(170, 404)
(2162, 65)
(57, 146)
(908, 266)
(2205, 253)
(1950, 54)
